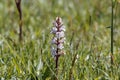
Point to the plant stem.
(112, 15)
(56, 66)
(56, 62)
(18, 4)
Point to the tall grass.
(86, 37)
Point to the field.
(87, 46)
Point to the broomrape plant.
(57, 43)
(58, 39)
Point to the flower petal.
(62, 28)
(60, 34)
(60, 46)
(54, 30)
(54, 40)
(53, 51)
(62, 40)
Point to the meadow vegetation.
(87, 46)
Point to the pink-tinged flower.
(54, 40)
(54, 30)
(62, 28)
(61, 52)
(60, 34)
(59, 38)
(60, 46)
(62, 40)
(59, 21)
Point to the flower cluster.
(59, 37)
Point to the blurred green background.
(86, 22)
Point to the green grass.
(86, 24)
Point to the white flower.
(59, 19)
(61, 52)
(62, 40)
(60, 34)
(87, 57)
(54, 30)
(77, 56)
(54, 40)
(62, 28)
(60, 46)
(58, 39)
(53, 51)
